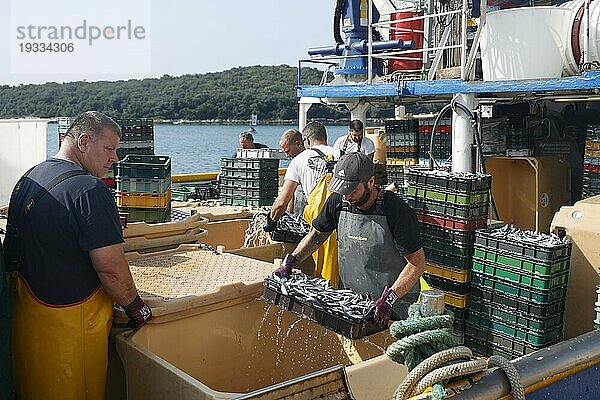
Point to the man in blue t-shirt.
(64, 246)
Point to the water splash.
(282, 347)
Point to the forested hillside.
(269, 91)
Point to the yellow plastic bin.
(212, 338)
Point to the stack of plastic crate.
(518, 291)
(137, 137)
(144, 187)
(519, 142)
(442, 144)
(591, 165)
(450, 206)
(63, 127)
(402, 144)
(249, 181)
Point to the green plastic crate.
(144, 166)
(453, 210)
(249, 183)
(536, 267)
(534, 323)
(522, 277)
(252, 193)
(515, 304)
(150, 215)
(244, 201)
(445, 247)
(449, 197)
(250, 163)
(254, 174)
(520, 291)
(446, 259)
(521, 334)
(487, 342)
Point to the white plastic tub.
(524, 43)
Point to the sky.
(176, 37)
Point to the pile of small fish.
(532, 238)
(450, 175)
(317, 293)
(293, 223)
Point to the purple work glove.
(138, 312)
(285, 269)
(383, 306)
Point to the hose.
(337, 19)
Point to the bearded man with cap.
(379, 243)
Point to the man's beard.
(364, 198)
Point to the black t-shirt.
(55, 237)
(400, 217)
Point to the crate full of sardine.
(340, 310)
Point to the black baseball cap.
(350, 171)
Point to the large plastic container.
(527, 191)
(212, 338)
(582, 223)
(524, 43)
(407, 30)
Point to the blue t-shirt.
(76, 216)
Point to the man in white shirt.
(355, 141)
(312, 169)
(306, 168)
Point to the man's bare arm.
(309, 244)
(113, 271)
(411, 273)
(284, 198)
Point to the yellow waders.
(59, 352)
(326, 257)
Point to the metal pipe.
(475, 45)
(392, 53)
(463, 51)
(362, 46)
(370, 44)
(462, 135)
(586, 42)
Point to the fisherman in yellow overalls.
(309, 169)
(64, 250)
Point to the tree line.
(235, 94)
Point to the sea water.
(198, 148)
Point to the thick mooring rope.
(426, 347)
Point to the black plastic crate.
(488, 343)
(144, 166)
(447, 285)
(343, 326)
(518, 333)
(446, 247)
(514, 289)
(448, 260)
(133, 136)
(453, 210)
(470, 183)
(512, 316)
(401, 125)
(485, 237)
(285, 236)
(518, 305)
(142, 151)
(459, 238)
